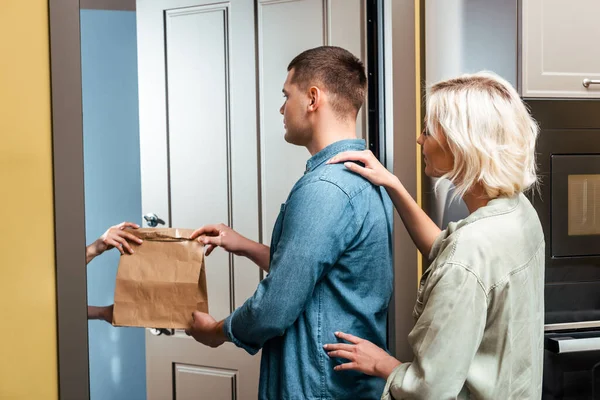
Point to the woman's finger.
(124, 225)
(130, 237)
(348, 337)
(362, 171)
(347, 355)
(112, 242)
(339, 346)
(362, 156)
(124, 245)
(347, 366)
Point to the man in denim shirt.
(330, 260)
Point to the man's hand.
(206, 330)
(221, 235)
(363, 356)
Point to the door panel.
(180, 368)
(279, 41)
(198, 132)
(189, 379)
(285, 29)
(199, 166)
(212, 150)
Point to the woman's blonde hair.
(489, 131)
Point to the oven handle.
(561, 345)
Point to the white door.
(212, 150)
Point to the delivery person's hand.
(206, 330)
(221, 235)
(115, 236)
(104, 313)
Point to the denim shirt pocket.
(277, 229)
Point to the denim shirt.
(330, 270)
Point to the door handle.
(587, 82)
(572, 345)
(153, 220)
(162, 331)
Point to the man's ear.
(315, 97)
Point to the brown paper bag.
(163, 282)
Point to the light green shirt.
(480, 310)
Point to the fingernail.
(325, 346)
(336, 333)
(348, 165)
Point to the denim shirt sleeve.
(445, 338)
(318, 225)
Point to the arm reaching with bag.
(116, 236)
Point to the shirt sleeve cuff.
(394, 381)
(227, 328)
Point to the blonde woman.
(480, 306)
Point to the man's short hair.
(337, 71)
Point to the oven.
(568, 204)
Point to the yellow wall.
(418, 32)
(27, 279)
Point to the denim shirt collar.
(332, 150)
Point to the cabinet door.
(560, 41)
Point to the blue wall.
(112, 189)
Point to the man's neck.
(324, 137)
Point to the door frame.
(69, 208)
(402, 59)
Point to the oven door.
(572, 366)
(568, 205)
(575, 218)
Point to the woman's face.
(436, 154)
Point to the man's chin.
(296, 140)
(289, 138)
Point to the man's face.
(295, 113)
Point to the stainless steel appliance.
(569, 208)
